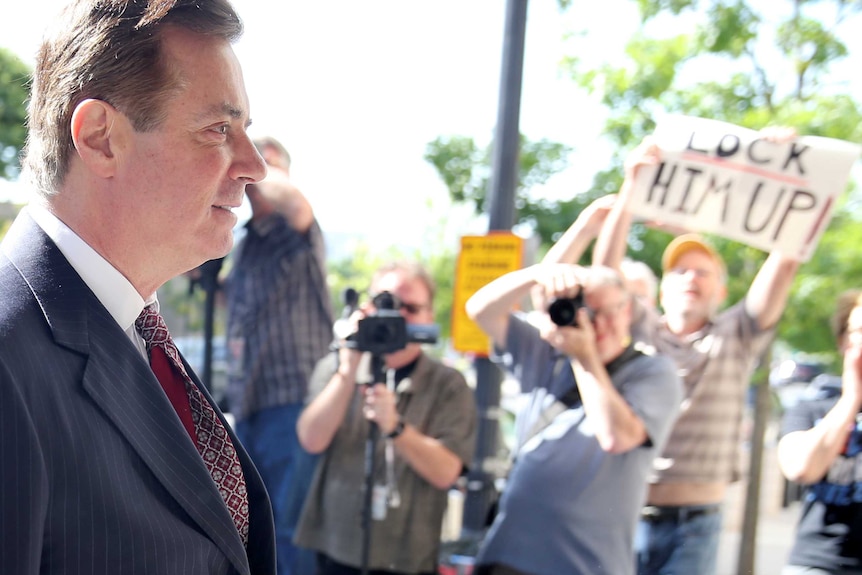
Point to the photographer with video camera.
(425, 416)
(598, 412)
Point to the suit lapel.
(121, 383)
(141, 411)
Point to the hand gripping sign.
(727, 180)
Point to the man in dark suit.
(137, 152)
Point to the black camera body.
(564, 311)
(386, 330)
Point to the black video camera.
(386, 330)
(564, 311)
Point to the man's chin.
(687, 309)
(220, 246)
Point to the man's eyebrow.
(232, 111)
(236, 113)
(221, 109)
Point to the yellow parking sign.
(481, 260)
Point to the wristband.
(398, 430)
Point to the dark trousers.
(270, 438)
(328, 566)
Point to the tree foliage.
(14, 78)
(751, 83)
(466, 170)
(722, 59)
(356, 270)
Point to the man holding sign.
(766, 189)
(715, 352)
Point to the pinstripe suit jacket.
(97, 474)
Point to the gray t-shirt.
(569, 506)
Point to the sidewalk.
(775, 533)
(776, 525)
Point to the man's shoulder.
(733, 313)
(653, 367)
(16, 296)
(723, 323)
(648, 357)
(24, 331)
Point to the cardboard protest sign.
(727, 180)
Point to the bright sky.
(356, 90)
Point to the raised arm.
(322, 417)
(768, 293)
(574, 242)
(805, 456)
(611, 243)
(617, 427)
(280, 194)
(490, 306)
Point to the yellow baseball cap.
(686, 243)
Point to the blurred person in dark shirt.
(821, 447)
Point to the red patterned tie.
(197, 414)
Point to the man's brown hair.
(108, 50)
(411, 269)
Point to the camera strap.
(393, 497)
(572, 397)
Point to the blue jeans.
(270, 438)
(681, 546)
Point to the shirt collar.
(263, 226)
(113, 290)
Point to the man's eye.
(222, 129)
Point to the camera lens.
(384, 334)
(385, 300)
(563, 312)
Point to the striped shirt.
(715, 364)
(279, 315)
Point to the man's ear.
(720, 293)
(94, 137)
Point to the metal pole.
(209, 281)
(378, 372)
(507, 136)
(501, 209)
(746, 559)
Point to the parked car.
(824, 386)
(795, 371)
